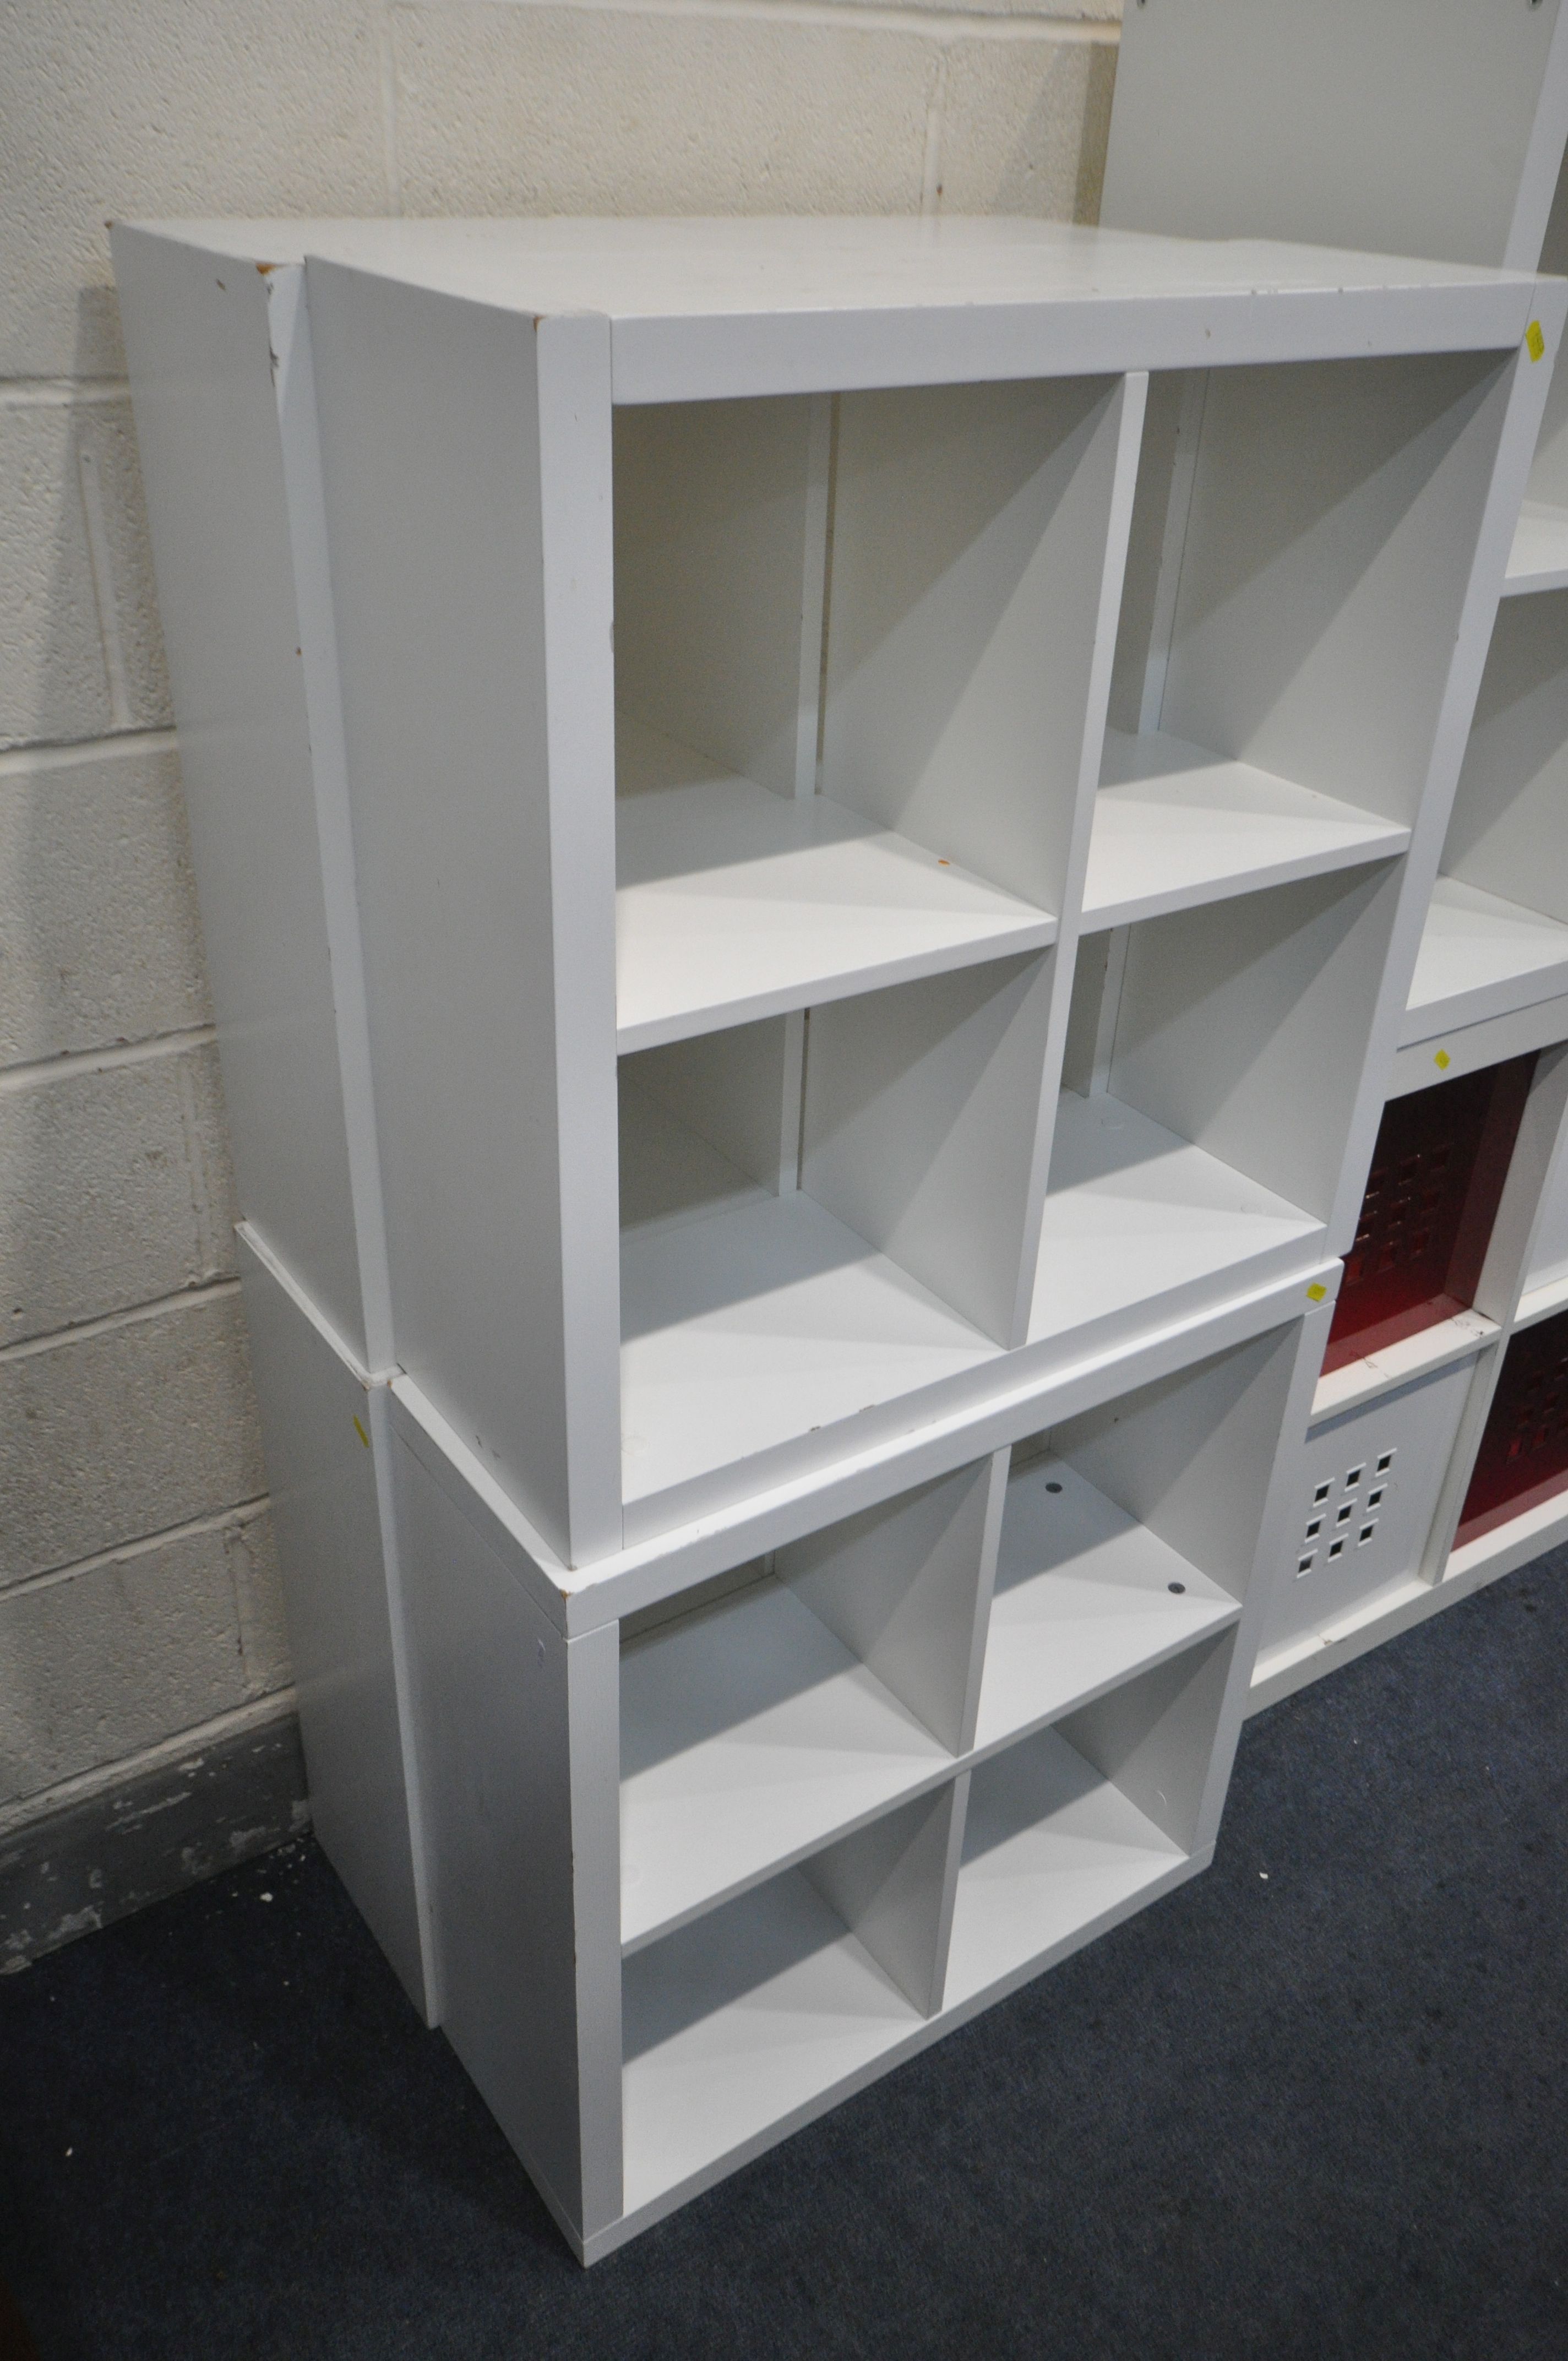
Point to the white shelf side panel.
(1481, 956)
(1085, 1598)
(734, 903)
(203, 366)
(1174, 826)
(1140, 1226)
(750, 1734)
(466, 464)
(1052, 1849)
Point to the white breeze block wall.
(138, 1602)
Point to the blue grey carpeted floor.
(1315, 2104)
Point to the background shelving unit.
(1220, 129)
(791, 1195)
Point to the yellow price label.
(1534, 342)
(359, 1431)
(1442, 1060)
(1316, 1294)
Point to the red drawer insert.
(1524, 1451)
(1431, 1197)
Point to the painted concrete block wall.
(138, 1599)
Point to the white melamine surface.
(1084, 1599)
(736, 2022)
(1139, 1224)
(836, 502)
(1051, 1846)
(1421, 126)
(735, 903)
(749, 1735)
(205, 365)
(754, 1327)
(1175, 824)
(1540, 1301)
(668, 1174)
(1539, 559)
(737, 306)
(1481, 956)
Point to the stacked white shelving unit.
(793, 1176)
(1393, 126)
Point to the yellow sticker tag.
(1315, 1294)
(1441, 1060)
(359, 1431)
(1534, 342)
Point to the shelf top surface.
(1481, 956)
(1176, 826)
(734, 903)
(1134, 1212)
(714, 305)
(749, 1733)
(758, 1326)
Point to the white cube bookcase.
(1339, 124)
(811, 836)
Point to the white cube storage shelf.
(811, 838)
(1222, 129)
(1496, 938)
(1491, 982)
(752, 1829)
(1426, 1401)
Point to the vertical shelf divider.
(906, 1588)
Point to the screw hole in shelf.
(1053, 1487)
(1176, 1587)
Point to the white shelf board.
(1538, 558)
(1175, 824)
(736, 2025)
(1082, 1601)
(1051, 1849)
(702, 309)
(1506, 1547)
(733, 903)
(1141, 1227)
(1357, 1382)
(758, 1328)
(749, 1736)
(1541, 1299)
(1481, 956)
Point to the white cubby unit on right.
(1222, 130)
(854, 803)
(1460, 1251)
(1494, 945)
